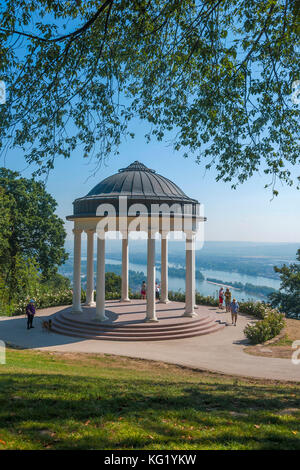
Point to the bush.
(111, 295)
(206, 300)
(43, 300)
(265, 329)
(176, 296)
(257, 309)
(200, 299)
(269, 325)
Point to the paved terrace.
(220, 351)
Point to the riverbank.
(221, 284)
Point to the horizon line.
(226, 241)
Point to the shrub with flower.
(270, 326)
(257, 309)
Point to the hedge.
(265, 329)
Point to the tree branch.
(72, 35)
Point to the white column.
(90, 269)
(124, 295)
(164, 269)
(190, 276)
(77, 272)
(100, 289)
(151, 313)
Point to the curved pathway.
(221, 351)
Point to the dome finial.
(136, 166)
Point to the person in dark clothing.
(157, 291)
(30, 312)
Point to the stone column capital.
(90, 231)
(164, 234)
(77, 231)
(152, 234)
(189, 234)
(125, 234)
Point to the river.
(205, 287)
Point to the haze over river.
(207, 288)
(227, 254)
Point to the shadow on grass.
(109, 413)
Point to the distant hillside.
(264, 291)
(253, 259)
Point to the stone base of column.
(77, 309)
(101, 317)
(151, 320)
(190, 314)
(125, 300)
(164, 301)
(90, 299)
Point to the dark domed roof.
(138, 181)
(140, 185)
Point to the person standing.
(143, 290)
(234, 307)
(30, 312)
(227, 299)
(221, 297)
(157, 291)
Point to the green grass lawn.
(64, 401)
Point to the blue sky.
(244, 214)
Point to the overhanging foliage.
(215, 75)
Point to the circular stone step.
(126, 322)
(149, 327)
(136, 334)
